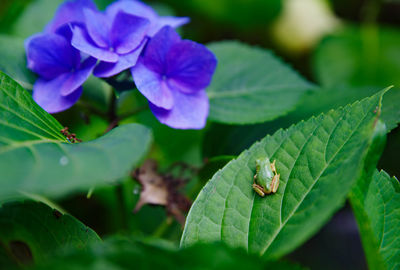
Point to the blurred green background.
(350, 48)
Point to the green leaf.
(359, 57)
(251, 85)
(358, 193)
(318, 161)
(36, 158)
(119, 253)
(232, 140)
(33, 232)
(13, 61)
(376, 204)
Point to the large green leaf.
(33, 232)
(36, 157)
(251, 85)
(318, 161)
(13, 61)
(376, 204)
(360, 189)
(122, 253)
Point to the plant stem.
(370, 11)
(133, 112)
(91, 109)
(159, 232)
(112, 113)
(120, 85)
(121, 205)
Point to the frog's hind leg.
(273, 167)
(275, 183)
(259, 190)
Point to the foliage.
(33, 232)
(311, 158)
(31, 143)
(151, 162)
(118, 253)
(244, 80)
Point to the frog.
(266, 179)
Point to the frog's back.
(264, 172)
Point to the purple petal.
(47, 95)
(189, 112)
(155, 54)
(152, 86)
(106, 69)
(50, 55)
(65, 31)
(70, 11)
(75, 79)
(139, 9)
(82, 42)
(190, 66)
(128, 32)
(167, 21)
(98, 27)
(132, 7)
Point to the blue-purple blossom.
(70, 11)
(172, 74)
(137, 8)
(114, 38)
(61, 69)
(117, 36)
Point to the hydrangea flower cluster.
(81, 40)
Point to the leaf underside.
(318, 161)
(35, 157)
(39, 231)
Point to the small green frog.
(266, 179)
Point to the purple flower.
(69, 12)
(118, 36)
(61, 71)
(139, 9)
(172, 74)
(116, 39)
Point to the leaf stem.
(121, 85)
(91, 109)
(133, 112)
(162, 228)
(122, 206)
